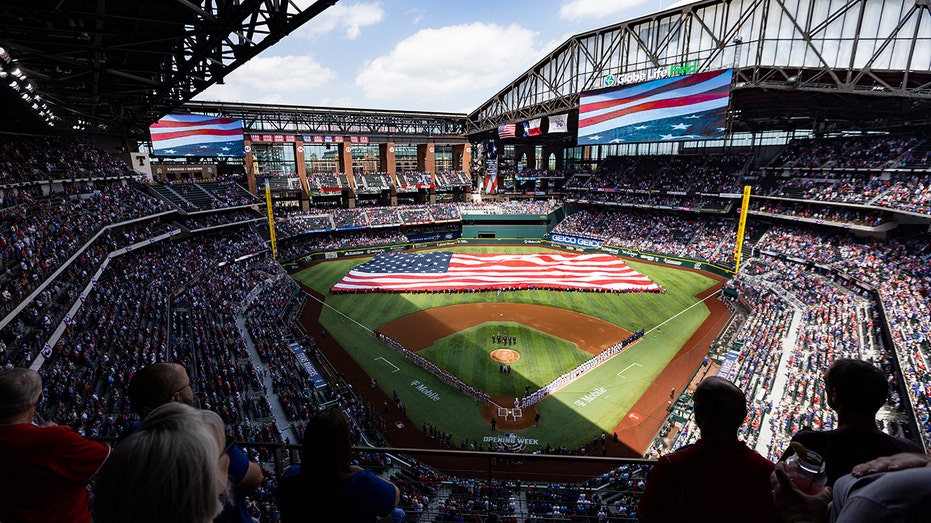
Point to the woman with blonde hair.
(172, 469)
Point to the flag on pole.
(558, 123)
(532, 127)
(444, 271)
(508, 130)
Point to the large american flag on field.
(446, 271)
(196, 135)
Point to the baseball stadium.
(515, 311)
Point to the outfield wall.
(629, 253)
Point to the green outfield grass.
(589, 406)
(467, 354)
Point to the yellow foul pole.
(271, 218)
(741, 226)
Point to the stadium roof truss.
(789, 56)
(379, 125)
(114, 67)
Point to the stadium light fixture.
(17, 72)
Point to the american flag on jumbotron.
(688, 107)
(196, 135)
(442, 271)
(508, 130)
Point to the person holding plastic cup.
(856, 390)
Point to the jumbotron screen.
(196, 135)
(691, 107)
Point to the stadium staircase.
(284, 425)
(168, 194)
(923, 151)
(778, 388)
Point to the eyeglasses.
(188, 384)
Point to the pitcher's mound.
(505, 355)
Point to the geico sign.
(572, 240)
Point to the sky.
(416, 55)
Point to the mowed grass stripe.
(468, 355)
(563, 422)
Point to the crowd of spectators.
(179, 301)
(51, 231)
(909, 193)
(671, 234)
(374, 182)
(26, 159)
(449, 179)
(861, 152)
(25, 334)
(679, 173)
(883, 171)
(227, 193)
(821, 213)
(340, 240)
(122, 324)
(898, 270)
(515, 206)
(413, 179)
(644, 199)
(39, 236)
(327, 181)
(835, 320)
(205, 221)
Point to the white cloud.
(346, 18)
(271, 79)
(416, 15)
(457, 64)
(580, 10)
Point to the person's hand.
(904, 460)
(794, 505)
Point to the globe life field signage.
(612, 80)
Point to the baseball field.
(509, 343)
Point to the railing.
(438, 483)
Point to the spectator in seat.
(45, 468)
(889, 489)
(172, 468)
(327, 486)
(164, 382)
(856, 390)
(718, 478)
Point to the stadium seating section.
(103, 274)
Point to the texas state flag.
(532, 127)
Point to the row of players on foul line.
(526, 401)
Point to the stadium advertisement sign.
(435, 237)
(577, 241)
(315, 376)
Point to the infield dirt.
(419, 331)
